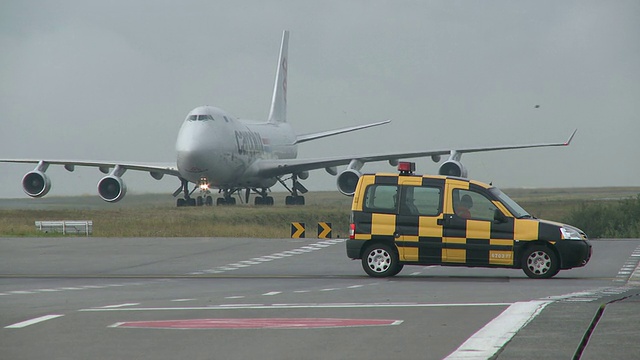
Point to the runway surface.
(235, 298)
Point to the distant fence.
(76, 227)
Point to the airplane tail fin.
(278, 111)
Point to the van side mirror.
(498, 217)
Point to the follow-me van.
(406, 219)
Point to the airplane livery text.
(249, 142)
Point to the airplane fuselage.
(214, 145)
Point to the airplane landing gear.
(187, 200)
(225, 201)
(205, 197)
(204, 200)
(226, 198)
(294, 198)
(263, 199)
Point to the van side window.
(469, 204)
(422, 200)
(381, 198)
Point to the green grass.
(157, 216)
(619, 219)
(145, 216)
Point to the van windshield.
(511, 205)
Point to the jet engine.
(111, 188)
(36, 184)
(347, 181)
(453, 168)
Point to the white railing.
(76, 227)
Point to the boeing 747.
(216, 150)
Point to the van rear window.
(381, 198)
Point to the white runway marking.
(493, 336)
(301, 306)
(26, 323)
(633, 264)
(262, 259)
(77, 288)
(119, 306)
(217, 270)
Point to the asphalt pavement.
(582, 328)
(79, 298)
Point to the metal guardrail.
(76, 227)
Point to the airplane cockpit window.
(200, 118)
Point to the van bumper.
(574, 253)
(354, 248)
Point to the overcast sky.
(113, 80)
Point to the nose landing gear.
(187, 200)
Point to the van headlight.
(569, 233)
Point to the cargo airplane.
(216, 150)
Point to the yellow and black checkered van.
(402, 219)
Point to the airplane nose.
(200, 146)
(193, 146)
(191, 161)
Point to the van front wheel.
(540, 262)
(381, 260)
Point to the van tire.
(540, 262)
(381, 260)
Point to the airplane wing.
(156, 170)
(282, 167)
(318, 135)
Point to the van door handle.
(396, 235)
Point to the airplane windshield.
(200, 118)
(511, 205)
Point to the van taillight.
(352, 231)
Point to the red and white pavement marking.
(256, 323)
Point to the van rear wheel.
(540, 262)
(381, 260)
